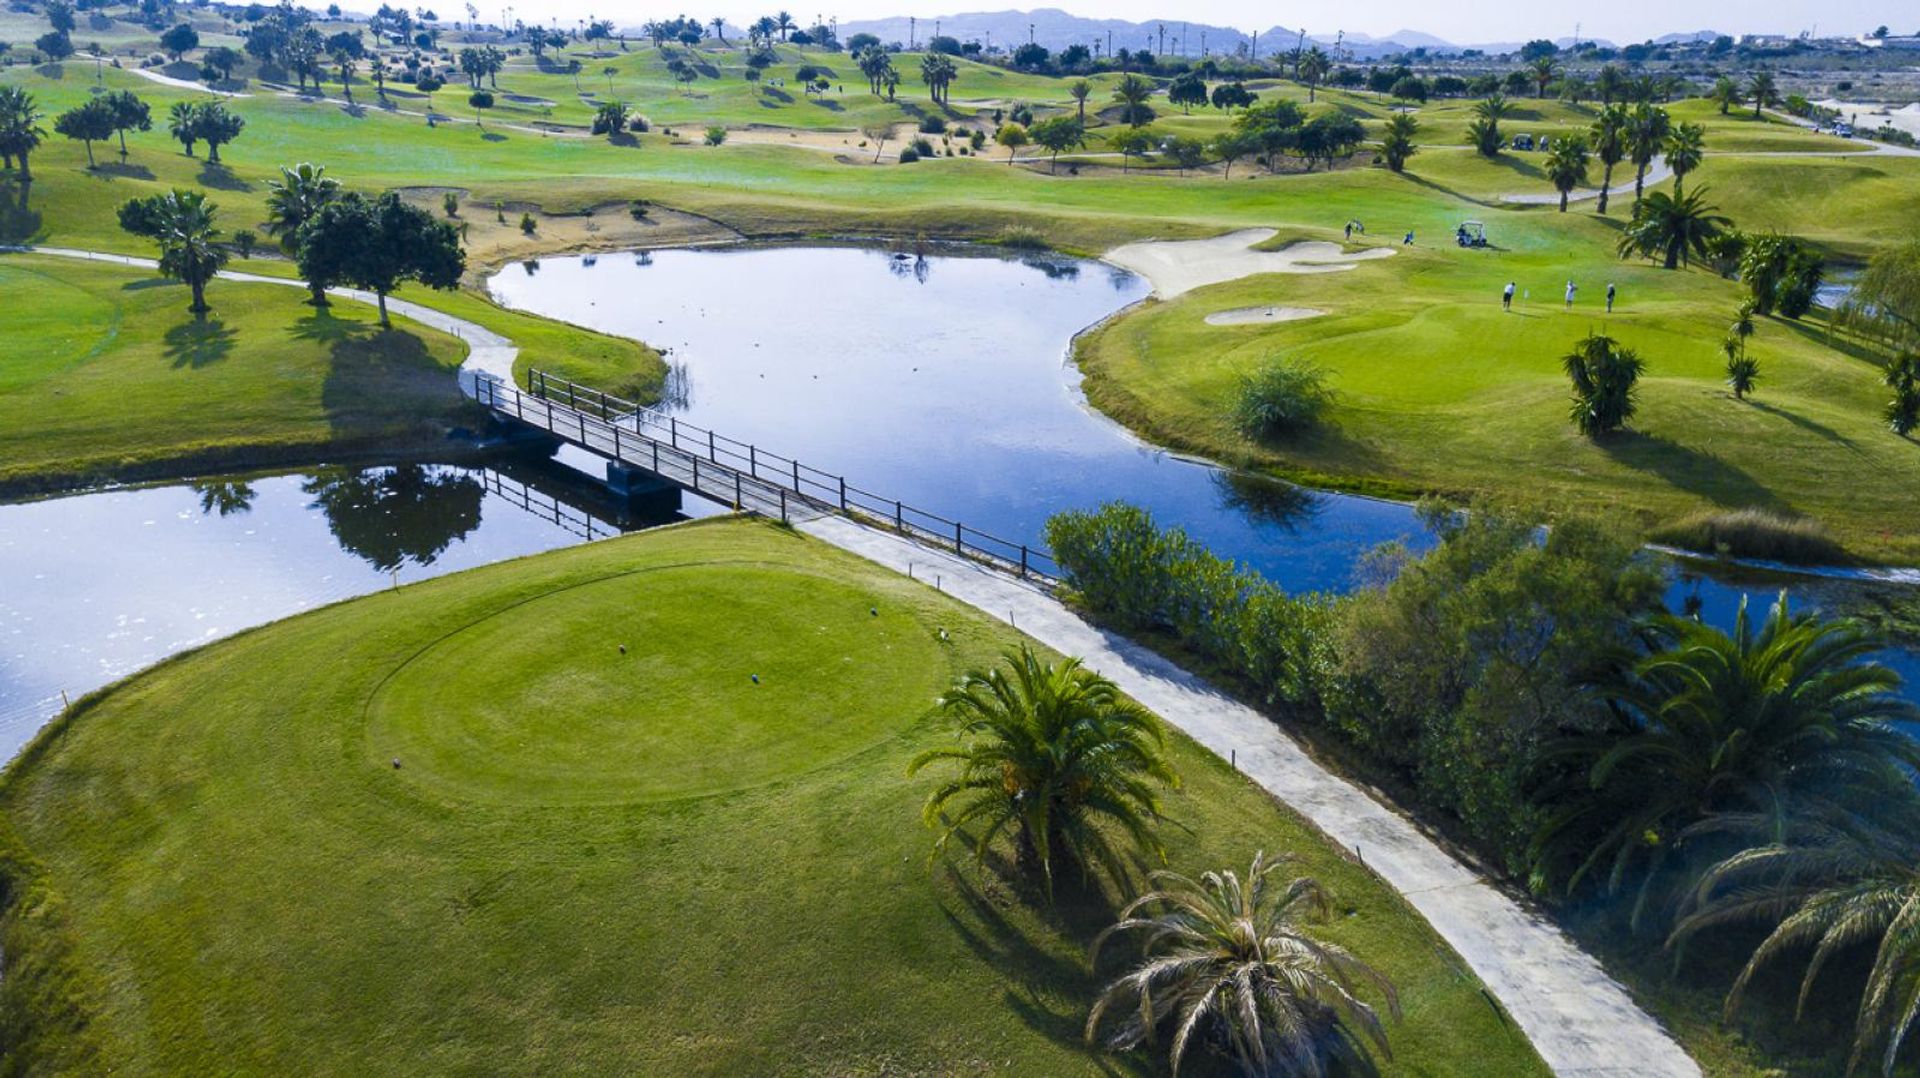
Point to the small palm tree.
(1725, 93)
(1543, 70)
(1686, 144)
(1829, 883)
(1671, 228)
(1762, 91)
(1132, 92)
(1080, 90)
(1567, 166)
(1054, 755)
(190, 251)
(1236, 956)
(1710, 722)
(1396, 141)
(1604, 375)
(1483, 131)
(1609, 135)
(1742, 370)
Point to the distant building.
(1891, 41)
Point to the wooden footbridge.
(645, 447)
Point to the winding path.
(1581, 1021)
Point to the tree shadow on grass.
(221, 178)
(123, 170)
(1842, 340)
(1443, 189)
(199, 343)
(781, 97)
(379, 377)
(1684, 468)
(1798, 420)
(492, 136)
(18, 222)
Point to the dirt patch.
(494, 238)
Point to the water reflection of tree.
(224, 496)
(918, 267)
(1270, 502)
(676, 390)
(392, 516)
(1055, 269)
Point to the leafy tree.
(1058, 134)
(1763, 92)
(293, 201)
(378, 244)
(1609, 136)
(88, 123)
(1672, 229)
(60, 16)
(1567, 166)
(1604, 375)
(1708, 722)
(1132, 92)
(180, 40)
(879, 133)
(1396, 141)
(1903, 378)
(610, 119)
(1012, 136)
(129, 114)
(1134, 140)
(1236, 962)
(20, 130)
(1684, 148)
(217, 127)
(181, 222)
(54, 45)
(1410, 88)
(1647, 128)
(1053, 755)
(1232, 95)
(1327, 138)
(1187, 90)
(1185, 153)
(222, 60)
(479, 101)
(1884, 300)
(1231, 146)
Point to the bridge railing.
(602, 422)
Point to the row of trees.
(1705, 782)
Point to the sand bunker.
(1177, 266)
(1253, 316)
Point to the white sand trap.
(1177, 266)
(1253, 316)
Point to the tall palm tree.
(1725, 93)
(1762, 91)
(293, 200)
(1709, 722)
(1132, 91)
(782, 22)
(20, 130)
(1609, 84)
(1080, 90)
(1054, 755)
(1237, 957)
(1827, 883)
(1609, 134)
(1314, 66)
(938, 71)
(1567, 166)
(1604, 376)
(1543, 69)
(182, 222)
(1484, 129)
(1647, 128)
(1686, 144)
(1672, 228)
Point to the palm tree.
(1484, 130)
(1396, 141)
(1314, 66)
(1604, 375)
(1672, 228)
(20, 130)
(782, 22)
(1053, 754)
(182, 222)
(1609, 134)
(1710, 722)
(1686, 144)
(1742, 370)
(1762, 92)
(1646, 134)
(1567, 166)
(1834, 883)
(1132, 91)
(1080, 90)
(938, 71)
(183, 123)
(1544, 68)
(295, 199)
(1725, 93)
(1609, 84)
(1236, 958)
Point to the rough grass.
(109, 377)
(1754, 533)
(588, 860)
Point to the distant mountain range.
(1058, 29)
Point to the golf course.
(798, 796)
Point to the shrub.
(908, 155)
(931, 124)
(450, 202)
(716, 135)
(527, 223)
(923, 147)
(1024, 238)
(1282, 398)
(639, 208)
(244, 242)
(977, 140)
(1753, 533)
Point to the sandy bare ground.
(1175, 267)
(1870, 114)
(1255, 316)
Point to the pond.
(99, 585)
(944, 380)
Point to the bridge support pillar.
(646, 494)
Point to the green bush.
(1282, 398)
(932, 125)
(908, 155)
(1024, 238)
(1754, 533)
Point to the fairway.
(587, 860)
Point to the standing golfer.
(1570, 291)
(1609, 297)
(1506, 297)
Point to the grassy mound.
(587, 861)
(109, 377)
(1754, 533)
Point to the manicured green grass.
(1440, 391)
(108, 376)
(639, 863)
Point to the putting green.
(538, 704)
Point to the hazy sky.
(1620, 20)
